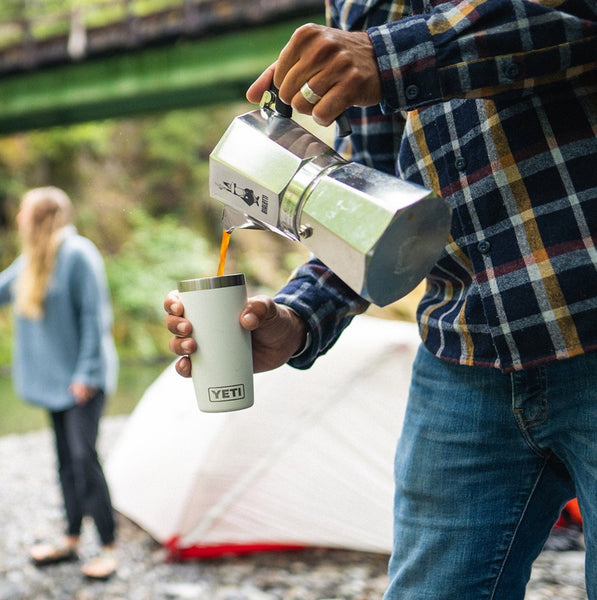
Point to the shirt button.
(460, 163)
(484, 247)
(412, 91)
(512, 71)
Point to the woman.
(64, 360)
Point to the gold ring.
(309, 95)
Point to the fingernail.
(249, 320)
(182, 328)
(182, 366)
(187, 346)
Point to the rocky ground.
(30, 509)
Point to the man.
(501, 424)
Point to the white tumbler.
(222, 366)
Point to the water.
(17, 416)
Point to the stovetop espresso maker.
(380, 234)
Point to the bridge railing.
(39, 33)
(40, 19)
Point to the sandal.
(43, 555)
(101, 567)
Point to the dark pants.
(84, 486)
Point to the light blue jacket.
(73, 341)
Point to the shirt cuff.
(407, 64)
(308, 337)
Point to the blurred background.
(120, 102)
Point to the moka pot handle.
(285, 110)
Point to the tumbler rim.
(211, 283)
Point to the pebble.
(31, 510)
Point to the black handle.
(285, 110)
(344, 127)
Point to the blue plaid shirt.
(493, 104)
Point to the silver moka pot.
(380, 234)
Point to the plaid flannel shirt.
(500, 99)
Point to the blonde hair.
(47, 210)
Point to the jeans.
(483, 467)
(82, 480)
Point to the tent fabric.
(310, 464)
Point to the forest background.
(140, 190)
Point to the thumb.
(257, 311)
(262, 83)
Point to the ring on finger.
(309, 95)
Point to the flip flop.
(43, 555)
(101, 567)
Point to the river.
(20, 417)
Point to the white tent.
(310, 464)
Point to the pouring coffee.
(380, 234)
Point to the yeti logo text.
(227, 393)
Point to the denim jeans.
(484, 465)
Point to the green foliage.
(157, 255)
(6, 337)
(174, 163)
(59, 155)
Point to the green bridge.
(64, 68)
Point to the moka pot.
(380, 234)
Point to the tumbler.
(222, 366)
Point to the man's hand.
(181, 343)
(340, 66)
(277, 332)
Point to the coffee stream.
(223, 251)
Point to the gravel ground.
(31, 510)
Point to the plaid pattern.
(502, 122)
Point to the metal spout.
(233, 219)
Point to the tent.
(310, 464)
